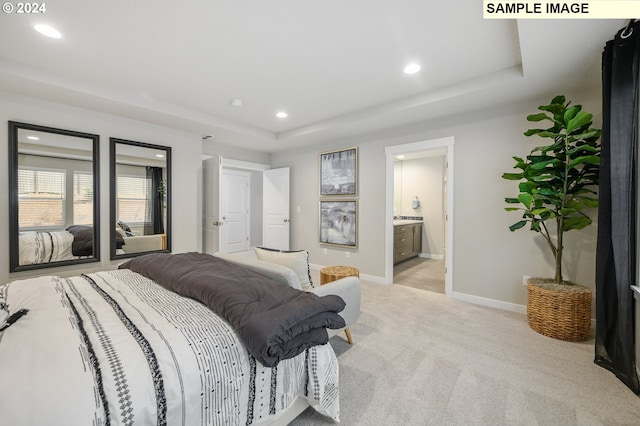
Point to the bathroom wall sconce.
(416, 203)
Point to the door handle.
(216, 223)
(286, 221)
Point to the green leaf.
(581, 148)
(579, 121)
(532, 132)
(591, 133)
(538, 117)
(512, 176)
(548, 134)
(571, 112)
(544, 149)
(575, 223)
(589, 201)
(560, 99)
(555, 108)
(587, 159)
(543, 164)
(539, 211)
(512, 209)
(525, 199)
(512, 200)
(518, 225)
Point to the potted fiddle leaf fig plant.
(557, 186)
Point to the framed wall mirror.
(53, 197)
(140, 198)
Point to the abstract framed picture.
(339, 172)
(339, 223)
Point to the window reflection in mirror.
(53, 197)
(140, 198)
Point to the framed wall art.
(339, 223)
(339, 172)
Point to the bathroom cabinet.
(407, 241)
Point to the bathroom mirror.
(140, 198)
(53, 197)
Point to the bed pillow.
(82, 240)
(126, 228)
(298, 261)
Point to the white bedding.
(141, 355)
(44, 247)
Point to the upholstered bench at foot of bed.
(349, 289)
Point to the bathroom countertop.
(406, 222)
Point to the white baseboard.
(431, 256)
(499, 304)
(374, 279)
(469, 298)
(492, 303)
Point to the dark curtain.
(156, 199)
(616, 251)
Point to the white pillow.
(298, 261)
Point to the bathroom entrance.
(419, 182)
(419, 215)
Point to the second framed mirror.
(140, 181)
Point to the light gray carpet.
(420, 358)
(424, 274)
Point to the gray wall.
(186, 152)
(488, 260)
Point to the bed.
(116, 347)
(74, 242)
(45, 246)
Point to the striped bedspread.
(116, 348)
(43, 247)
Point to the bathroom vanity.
(407, 239)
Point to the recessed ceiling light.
(236, 102)
(400, 157)
(33, 138)
(160, 155)
(412, 68)
(47, 30)
(282, 114)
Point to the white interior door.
(211, 205)
(275, 224)
(235, 210)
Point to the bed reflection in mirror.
(53, 197)
(140, 198)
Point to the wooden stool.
(332, 273)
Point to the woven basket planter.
(559, 311)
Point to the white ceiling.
(335, 66)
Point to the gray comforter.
(274, 321)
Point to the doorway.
(434, 199)
(217, 211)
(419, 210)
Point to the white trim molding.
(390, 152)
(431, 256)
(491, 303)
